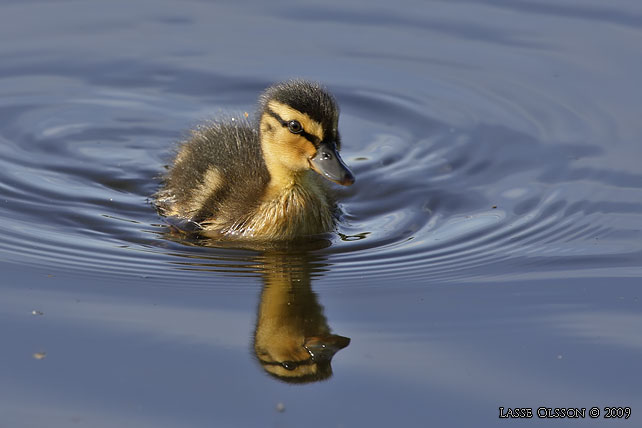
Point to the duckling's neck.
(282, 176)
(283, 182)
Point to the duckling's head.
(298, 128)
(289, 360)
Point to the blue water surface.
(489, 254)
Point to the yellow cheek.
(284, 152)
(309, 149)
(295, 151)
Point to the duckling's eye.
(288, 365)
(295, 127)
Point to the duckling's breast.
(296, 210)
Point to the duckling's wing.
(220, 168)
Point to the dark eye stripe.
(310, 137)
(289, 365)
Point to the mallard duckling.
(240, 181)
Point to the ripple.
(433, 201)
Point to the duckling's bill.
(329, 164)
(323, 348)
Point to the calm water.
(489, 254)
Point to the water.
(489, 253)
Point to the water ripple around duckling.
(432, 199)
(474, 203)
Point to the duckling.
(262, 181)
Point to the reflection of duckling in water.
(236, 181)
(292, 340)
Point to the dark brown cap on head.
(307, 97)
